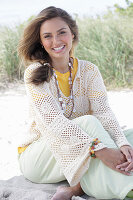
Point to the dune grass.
(106, 42)
(9, 61)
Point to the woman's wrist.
(100, 153)
(93, 146)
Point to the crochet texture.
(66, 140)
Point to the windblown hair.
(30, 48)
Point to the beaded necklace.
(71, 97)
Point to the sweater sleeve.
(66, 140)
(100, 107)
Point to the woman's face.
(56, 37)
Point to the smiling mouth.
(59, 48)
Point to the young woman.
(73, 134)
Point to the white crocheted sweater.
(66, 140)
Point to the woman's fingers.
(129, 167)
(131, 153)
(128, 152)
(122, 166)
(125, 166)
(124, 172)
(128, 155)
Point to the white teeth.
(59, 48)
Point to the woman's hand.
(128, 152)
(112, 158)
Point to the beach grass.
(107, 42)
(9, 61)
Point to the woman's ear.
(41, 44)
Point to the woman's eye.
(62, 32)
(46, 36)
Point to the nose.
(55, 40)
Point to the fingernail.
(129, 160)
(126, 170)
(117, 166)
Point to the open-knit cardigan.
(66, 140)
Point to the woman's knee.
(91, 125)
(88, 121)
(50, 173)
(40, 168)
(28, 169)
(92, 119)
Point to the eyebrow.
(57, 31)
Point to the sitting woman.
(73, 132)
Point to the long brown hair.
(30, 48)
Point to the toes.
(62, 193)
(54, 198)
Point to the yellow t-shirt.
(64, 86)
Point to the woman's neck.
(61, 65)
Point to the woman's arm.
(100, 107)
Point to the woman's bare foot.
(66, 193)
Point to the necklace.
(71, 97)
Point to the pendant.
(74, 110)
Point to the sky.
(16, 11)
